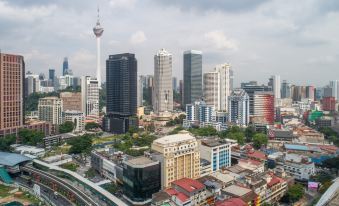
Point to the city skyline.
(55, 29)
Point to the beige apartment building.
(179, 156)
(71, 101)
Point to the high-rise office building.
(285, 90)
(327, 91)
(32, 83)
(274, 82)
(51, 75)
(140, 91)
(121, 87)
(217, 87)
(174, 83)
(335, 89)
(310, 92)
(252, 87)
(179, 156)
(12, 72)
(198, 112)
(162, 90)
(328, 103)
(192, 76)
(217, 152)
(65, 67)
(98, 31)
(90, 98)
(50, 110)
(264, 106)
(239, 107)
(298, 93)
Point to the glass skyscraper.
(121, 81)
(192, 76)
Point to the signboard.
(36, 189)
(313, 185)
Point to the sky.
(298, 40)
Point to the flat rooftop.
(140, 161)
(237, 190)
(213, 142)
(175, 138)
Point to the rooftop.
(213, 142)
(231, 202)
(237, 190)
(12, 159)
(141, 161)
(188, 184)
(175, 138)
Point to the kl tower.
(98, 30)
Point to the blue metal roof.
(12, 159)
(296, 147)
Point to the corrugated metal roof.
(296, 147)
(12, 159)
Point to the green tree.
(239, 136)
(6, 142)
(294, 193)
(332, 163)
(92, 125)
(259, 139)
(249, 133)
(81, 145)
(66, 127)
(31, 137)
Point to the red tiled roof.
(257, 155)
(274, 180)
(189, 185)
(181, 196)
(254, 162)
(231, 202)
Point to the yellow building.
(179, 156)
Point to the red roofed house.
(231, 202)
(256, 155)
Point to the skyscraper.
(98, 30)
(192, 76)
(50, 110)
(162, 91)
(90, 98)
(174, 83)
(121, 86)
(335, 89)
(252, 87)
(310, 92)
(32, 83)
(264, 106)
(140, 91)
(51, 75)
(65, 67)
(239, 108)
(12, 71)
(217, 87)
(274, 82)
(285, 89)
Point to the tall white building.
(77, 118)
(217, 87)
(140, 90)
(334, 85)
(276, 85)
(90, 97)
(162, 97)
(32, 83)
(239, 107)
(50, 110)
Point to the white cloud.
(28, 14)
(219, 40)
(138, 37)
(125, 4)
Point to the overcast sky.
(297, 39)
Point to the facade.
(310, 93)
(77, 118)
(217, 87)
(197, 113)
(298, 93)
(50, 110)
(239, 107)
(32, 83)
(334, 85)
(51, 75)
(328, 103)
(162, 96)
(252, 87)
(90, 98)
(141, 178)
(192, 76)
(71, 100)
(275, 84)
(285, 90)
(121, 86)
(174, 83)
(179, 157)
(65, 68)
(216, 151)
(264, 107)
(140, 91)
(12, 71)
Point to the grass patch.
(58, 150)
(70, 166)
(4, 191)
(100, 140)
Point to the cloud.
(138, 37)
(219, 40)
(218, 5)
(125, 4)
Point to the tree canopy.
(66, 127)
(294, 193)
(91, 125)
(259, 139)
(31, 137)
(6, 141)
(81, 144)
